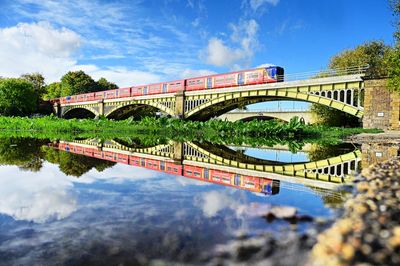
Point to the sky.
(134, 42)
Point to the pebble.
(368, 233)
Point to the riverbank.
(233, 132)
(368, 232)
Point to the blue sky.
(138, 41)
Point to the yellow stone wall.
(381, 107)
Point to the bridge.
(326, 173)
(281, 114)
(344, 93)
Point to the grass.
(216, 131)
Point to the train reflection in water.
(258, 184)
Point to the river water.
(111, 202)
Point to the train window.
(175, 170)
(188, 172)
(169, 168)
(197, 174)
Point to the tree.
(17, 97)
(103, 85)
(76, 82)
(393, 58)
(53, 90)
(37, 81)
(372, 53)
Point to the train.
(239, 78)
(262, 185)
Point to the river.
(119, 202)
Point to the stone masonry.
(381, 107)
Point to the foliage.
(153, 131)
(393, 58)
(333, 117)
(38, 83)
(17, 97)
(76, 82)
(370, 53)
(103, 85)
(53, 90)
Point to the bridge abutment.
(381, 107)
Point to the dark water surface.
(60, 208)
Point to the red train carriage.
(123, 92)
(99, 95)
(86, 97)
(158, 165)
(252, 183)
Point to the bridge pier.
(57, 109)
(101, 108)
(180, 105)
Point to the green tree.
(53, 90)
(17, 97)
(372, 53)
(393, 58)
(76, 82)
(103, 85)
(37, 81)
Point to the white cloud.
(37, 197)
(37, 47)
(256, 4)
(213, 202)
(121, 76)
(244, 40)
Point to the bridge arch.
(225, 102)
(80, 112)
(123, 110)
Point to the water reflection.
(114, 202)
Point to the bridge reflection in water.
(221, 165)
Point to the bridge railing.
(272, 110)
(325, 73)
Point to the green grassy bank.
(257, 132)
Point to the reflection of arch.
(221, 103)
(335, 169)
(80, 112)
(121, 107)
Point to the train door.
(143, 162)
(145, 90)
(240, 80)
(206, 173)
(209, 83)
(162, 166)
(267, 189)
(164, 88)
(237, 180)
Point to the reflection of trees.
(319, 152)
(77, 165)
(29, 154)
(74, 164)
(23, 152)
